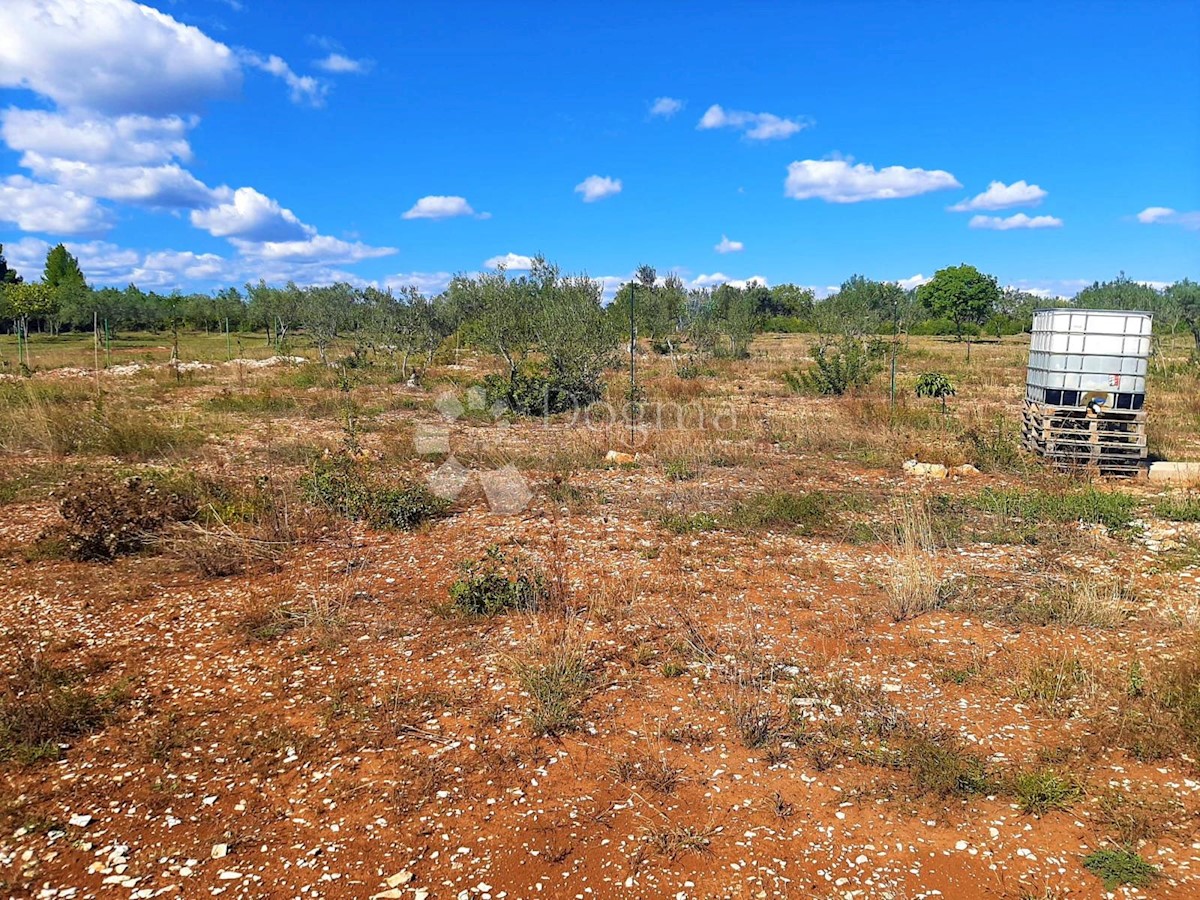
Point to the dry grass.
(913, 584)
(557, 680)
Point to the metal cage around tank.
(1086, 388)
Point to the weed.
(44, 705)
(558, 685)
(912, 582)
(341, 486)
(1120, 866)
(941, 765)
(673, 669)
(1053, 682)
(489, 587)
(1041, 791)
(672, 840)
(688, 524)
(1184, 508)
(651, 772)
(776, 509)
(1113, 509)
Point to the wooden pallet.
(1070, 437)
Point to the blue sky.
(208, 142)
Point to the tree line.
(959, 300)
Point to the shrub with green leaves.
(1185, 508)
(494, 585)
(849, 365)
(340, 486)
(1120, 866)
(1041, 791)
(539, 393)
(935, 385)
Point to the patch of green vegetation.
(939, 764)
(1121, 866)
(341, 486)
(689, 524)
(488, 587)
(1184, 508)
(557, 690)
(779, 509)
(259, 402)
(1041, 791)
(1113, 509)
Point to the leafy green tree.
(935, 385)
(7, 275)
(864, 306)
(325, 313)
(961, 294)
(1185, 296)
(1120, 293)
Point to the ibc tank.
(1078, 355)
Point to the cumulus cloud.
(839, 181)
(1164, 215)
(32, 206)
(1020, 220)
(597, 187)
(436, 206)
(513, 262)
(1002, 196)
(248, 214)
(318, 248)
(163, 187)
(303, 88)
(425, 282)
(665, 107)
(754, 126)
(113, 56)
(340, 64)
(719, 278)
(728, 246)
(913, 281)
(129, 139)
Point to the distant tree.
(1185, 297)
(325, 313)
(961, 294)
(789, 300)
(7, 275)
(62, 269)
(1120, 293)
(864, 306)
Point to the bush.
(105, 519)
(1039, 792)
(487, 588)
(1179, 509)
(1117, 867)
(341, 487)
(849, 366)
(542, 394)
(43, 705)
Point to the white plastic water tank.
(1076, 355)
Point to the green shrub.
(935, 385)
(488, 587)
(340, 486)
(1044, 790)
(775, 509)
(1117, 867)
(939, 764)
(849, 365)
(539, 393)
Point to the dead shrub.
(651, 772)
(913, 584)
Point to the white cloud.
(755, 126)
(319, 248)
(913, 281)
(1020, 220)
(426, 282)
(166, 187)
(303, 88)
(1164, 215)
(32, 206)
(246, 213)
(129, 139)
(340, 64)
(513, 262)
(719, 278)
(838, 181)
(665, 107)
(1002, 196)
(114, 56)
(1053, 288)
(728, 246)
(597, 187)
(436, 206)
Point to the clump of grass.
(651, 772)
(681, 523)
(912, 583)
(44, 705)
(1084, 601)
(1129, 818)
(672, 841)
(941, 765)
(558, 683)
(1053, 681)
(341, 487)
(1040, 791)
(494, 584)
(782, 509)
(1113, 509)
(1185, 508)
(1120, 866)
(679, 469)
